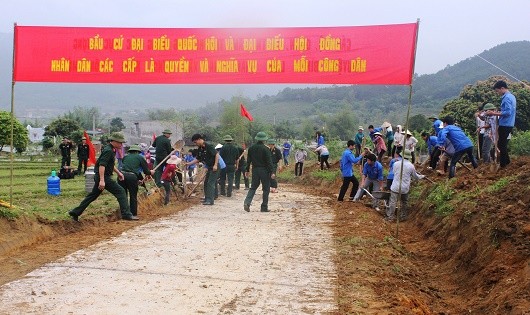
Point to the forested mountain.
(374, 104)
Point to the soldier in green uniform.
(82, 155)
(276, 155)
(230, 155)
(240, 169)
(163, 149)
(207, 154)
(133, 165)
(259, 156)
(66, 152)
(103, 180)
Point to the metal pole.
(406, 129)
(11, 158)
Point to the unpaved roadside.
(205, 260)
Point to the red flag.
(245, 113)
(91, 150)
(154, 137)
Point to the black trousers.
(502, 144)
(130, 185)
(82, 162)
(298, 168)
(324, 159)
(112, 187)
(435, 156)
(345, 184)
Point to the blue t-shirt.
(374, 171)
(437, 125)
(391, 168)
(432, 142)
(189, 158)
(286, 148)
(320, 141)
(508, 108)
(457, 137)
(346, 162)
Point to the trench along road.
(204, 260)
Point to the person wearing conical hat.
(133, 165)
(230, 155)
(163, 148)
(260, 158)
(103, 180)
(410, 144)
(404, 172)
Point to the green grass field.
(30, 195)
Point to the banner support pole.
(407, 126)
(11, 159)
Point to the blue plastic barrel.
(54, 185)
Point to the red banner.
(244, 112)
(91, 150)
(381, 54)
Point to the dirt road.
(205, 260)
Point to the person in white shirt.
(410, 144)
(401, 186)
(299, 156)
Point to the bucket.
(89, 179)
(54, 184)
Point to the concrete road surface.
(205, 260)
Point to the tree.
(341, 125)
(61, 127)
(86, 117)
(419, 123)
(20, 134)
(473, 96)
(169, 114)
(116, 124)
(284, 130)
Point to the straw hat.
(174, 160)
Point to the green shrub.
(326, 175)
(441, 197)
(520, 143)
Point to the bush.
(520, 143)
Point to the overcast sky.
(450, 30)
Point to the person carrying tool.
(168, 176)
(401, 186)
(460, 141)
(133, 165)
(163, 148)
(346, 167)
(372, 174)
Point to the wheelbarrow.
(382, 196)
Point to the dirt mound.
(472, 257)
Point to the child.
(168, 176)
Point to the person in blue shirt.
(390, 176)
(346, 167)
(372, 174)
(188, 158)
(286, 150)
(373, 130)
(432, 147)
(437, 124)
(320, 141)
(460, 141)
(506, 119)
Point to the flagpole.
(407, 127)
(11, 158)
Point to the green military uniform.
(106, 159)
(163, 148)
(259, 156)
(276, 155)
(66, 153)
(230, 155)
(206, 155)
(82, 156)
(241, 166)
(133, 165)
